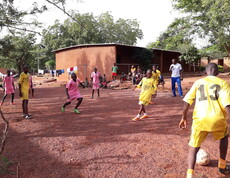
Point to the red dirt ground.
(102, 141)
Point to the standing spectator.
(114, 72)
(133, 72)
(176, 77)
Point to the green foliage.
(89, 29)
(144, 57)
(5, 164)
(16, 51)
(213, 52)
(176, 34)
(208, 18)
(190, 54)
(50, 64)
(14, 19)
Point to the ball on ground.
(202, 157)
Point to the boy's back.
(212, 95)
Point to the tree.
(208, 18)
(177, 33)
(50, 65)
(101, 29)
(16, 51)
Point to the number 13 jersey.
(212, 95)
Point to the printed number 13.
(215, 88)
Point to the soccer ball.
(202, 157)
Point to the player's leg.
(197, 137)
(92, 93)
(12, 98)
(3, 99)
(64, 105)
(173, 81)
(139, 113)
(145, 113)
(26, 110)
(179, 86)
(98, 93)
(77, 105)
(222, 164)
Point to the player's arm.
(188, 100)
(137, 86)
(181, 74)
(20, 85)
(183, 122)
(170, 68)
(81, 83)
(227, 109)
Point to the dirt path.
(102, 141)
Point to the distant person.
(95, 75)
(138, 70)
(114, 72)
(24, 87)
(148, 90)
(211, 112)
(104, 82)
(123, 77)
(8, 86)
(133, 72)
(73, 93)
(86, 83)
(161, 79)
(176, 77)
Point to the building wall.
(224, 62)
(227, 64)
(86, 58)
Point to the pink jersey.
(96, 81)
(73, 90)
(8, 80)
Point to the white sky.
(153, 15)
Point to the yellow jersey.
(211, 95)
(25, 82)
(148, 88)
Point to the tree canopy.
(208, 18)
(99, 29)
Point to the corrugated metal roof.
(106, 44)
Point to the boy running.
(24, 87)
(96, 82)
(8, 86)
(73, 93)
(212, 109)
(148, 90)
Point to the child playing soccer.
(24, 87)
(148, 90)
(211, 111)
(96, 82)
(73, 93)
(8, 85)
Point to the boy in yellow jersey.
(148, 90)
(211, 111)
(155, 75)
(24, 87)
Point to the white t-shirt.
(175, 68)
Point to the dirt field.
(102, 141)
